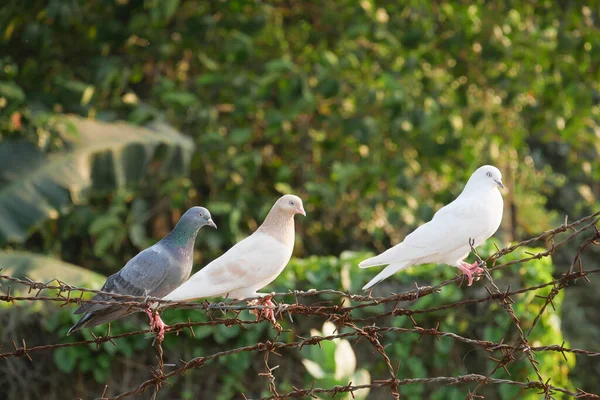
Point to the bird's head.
(291, 205)
(199, 216)
(487, 176)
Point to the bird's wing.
(251, 261)
(141, 276)
(148, 270)
(448, 231)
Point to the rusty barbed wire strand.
(444, 380)
(595, 217)
(340, 312)
(65, 287)
(23, 351)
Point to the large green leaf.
(41, 268)
(35, 186)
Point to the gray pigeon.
(156, 272)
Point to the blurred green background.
(374, 112)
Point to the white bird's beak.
(300, 210)
(211, 223)
(500, 184)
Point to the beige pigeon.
(252, 263)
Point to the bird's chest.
(182, 258)
(277, 255)
(496, 209)
(488, 211)
(274, 254)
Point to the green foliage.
(375, 113)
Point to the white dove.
(252, 263)
(475, 214)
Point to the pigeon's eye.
(489, 174)
(291, 203)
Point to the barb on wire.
(344, 315)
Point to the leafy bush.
(375, 113)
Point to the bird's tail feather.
(99, 317)
(81, 323)
(372, 262)
(390, 256)
(386, 273)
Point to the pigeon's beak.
(500, 184)
(300, 210)
(211, 223)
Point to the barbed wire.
(340, 309)
(65, 288)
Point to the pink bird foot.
(267, 313)
(470, 269)
(156, 324)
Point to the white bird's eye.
(291, 203)
(489, 174)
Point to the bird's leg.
(267, 313)
(469, 270)
(156, 323)
(475, 267)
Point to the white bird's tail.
(386, 273)
(370, 262)
(375, 261)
